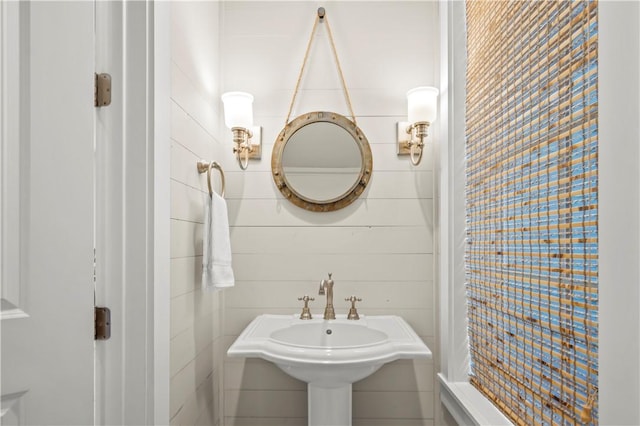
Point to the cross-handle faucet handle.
(306, 299)
(353, 312)
(306, 313)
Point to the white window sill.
(468, 406)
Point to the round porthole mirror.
(321, 161)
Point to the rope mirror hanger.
(321, 17)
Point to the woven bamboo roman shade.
(532, 208)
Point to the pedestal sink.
(329, 355)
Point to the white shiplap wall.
(380, 247)
(196, 356)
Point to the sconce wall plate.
(256, 143)
(403, 138)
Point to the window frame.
(619, 240)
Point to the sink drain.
(329, 331)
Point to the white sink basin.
(328, 335)
(329, 354)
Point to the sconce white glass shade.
(422, 104)
(238, 109)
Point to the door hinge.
(102, 91)
(102, 318)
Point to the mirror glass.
(321, 161)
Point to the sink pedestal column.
(329, 406)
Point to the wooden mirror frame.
(300, 200)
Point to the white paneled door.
(47, 212)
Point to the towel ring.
(204, 166)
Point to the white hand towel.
(216, 253)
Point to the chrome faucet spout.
(326, 287)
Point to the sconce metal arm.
(415, 154)
(421, 131)
(243, 148)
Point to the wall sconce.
(238, 116)
(423, 109)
